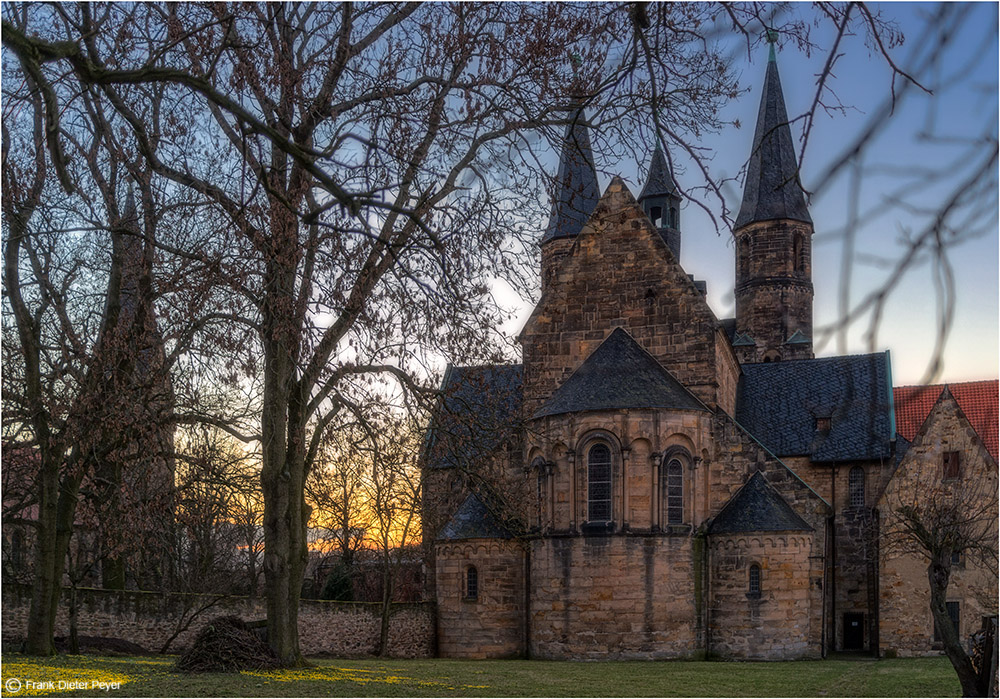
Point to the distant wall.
(150, 618)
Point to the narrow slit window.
(754, 583)
(471, 583)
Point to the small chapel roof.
(474, 520)
(786, 405)
(619, 374)
(576, 192)
(757, 507)
(772, 189)
(477, 414)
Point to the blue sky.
(929, 145)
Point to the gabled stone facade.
(665, 484)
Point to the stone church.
(656, 482)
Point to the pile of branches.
(227, 644)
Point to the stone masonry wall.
(778, 623)
(490, 624)
(613, 597)
(346, 629)
(619, 273)
(774, 295)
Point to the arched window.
(674, 491)
(471, 583)
(599, 483)
(672, 220)
(754, 580)
(772, 356)
(856, 486)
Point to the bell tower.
(773, 236)
(661, 202)
(576, 193)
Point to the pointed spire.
(576, 187)
(130, 208)
(660, 181)
(772, 189)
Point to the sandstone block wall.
(491, 624)
(346, 629)
(634, 437)
(906, 626)
(615, 597)
(774, 291)
(618, 273)
(782, 622)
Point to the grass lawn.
(153, 677)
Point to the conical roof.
(576, 185)
(619, 374)
(772, 189)
(660, 181)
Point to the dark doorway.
(854, 631)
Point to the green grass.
(153, 677)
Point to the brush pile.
(227, 644)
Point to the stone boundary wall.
(344, 629)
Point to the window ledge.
(753, 595)
(597, 528)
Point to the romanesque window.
(753, 586)
(952, 465)
(471, 583)
(599, 483)
(856, 486)
(675, 492)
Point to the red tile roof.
(977, 399)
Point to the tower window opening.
(672, 217)
(656, 215)
(744, 257)
(753, 586)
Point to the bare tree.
(376, 166)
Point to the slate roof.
(772, 189)
(779, 402)
(757, 507)
(660, 181)
(473, 520)
(977, 399)
(478, 413)
(619, 374)
(576, 185)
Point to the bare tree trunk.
(938, 573)
(57, 508)
(74, 635)
(383, 637)
(283, 474)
